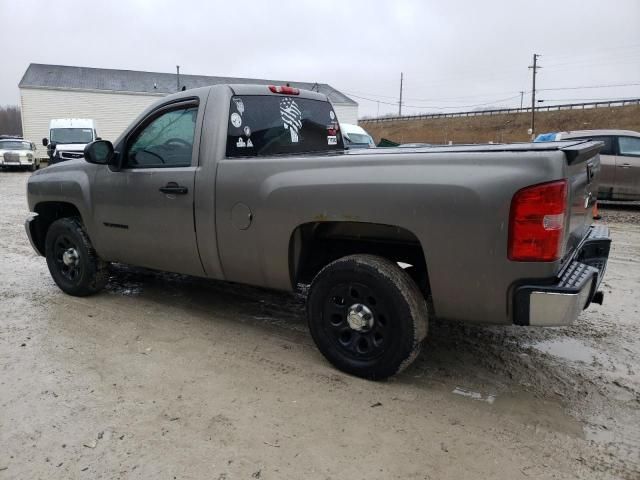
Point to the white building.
(114, 98)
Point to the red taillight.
(285, 90)
(536, 222)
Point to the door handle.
(173, 188)
(625, 165)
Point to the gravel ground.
(167, 376)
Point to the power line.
(433, 106)
(623, 57)
(591, 86)
(492, 73)
(379, 98)
(525, 91)
(606, 99)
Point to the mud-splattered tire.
(367, 316)
(72, 260)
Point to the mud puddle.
(570, 349)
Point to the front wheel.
(367, 316)
(72, 260)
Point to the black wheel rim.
(365, 342)
(67, 258)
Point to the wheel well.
(49, 212)
(314, 245)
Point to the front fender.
(66, 183)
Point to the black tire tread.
(98, 268)
(406, 286)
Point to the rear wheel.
(367, 316)
(72, 260)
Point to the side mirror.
(45, 141)
(99, 152)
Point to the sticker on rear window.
(236, 120)
(239, 105)
(292, 117)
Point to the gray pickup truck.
(251, 184)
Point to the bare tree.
(10, 120)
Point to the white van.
(356, 137)
(68, 137)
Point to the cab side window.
(608, 148)
(629, 146)
(166, 141)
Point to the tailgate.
(582, 172)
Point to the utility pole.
(400, 102)
(378, 110)
(521, 98)
(178, 78)
(534, 68)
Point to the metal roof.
(62, 77)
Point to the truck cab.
(68, 137)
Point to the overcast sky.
(455, 55)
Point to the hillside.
(502, 128)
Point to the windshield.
(14, 145)
(359, 138)
(71, 135)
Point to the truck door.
(144, 212)
(627, 185)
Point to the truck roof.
(243, 89)
(71, 123)
(247, 89)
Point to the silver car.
(619, 160)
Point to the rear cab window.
(263, 125)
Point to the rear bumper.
(573, 290)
